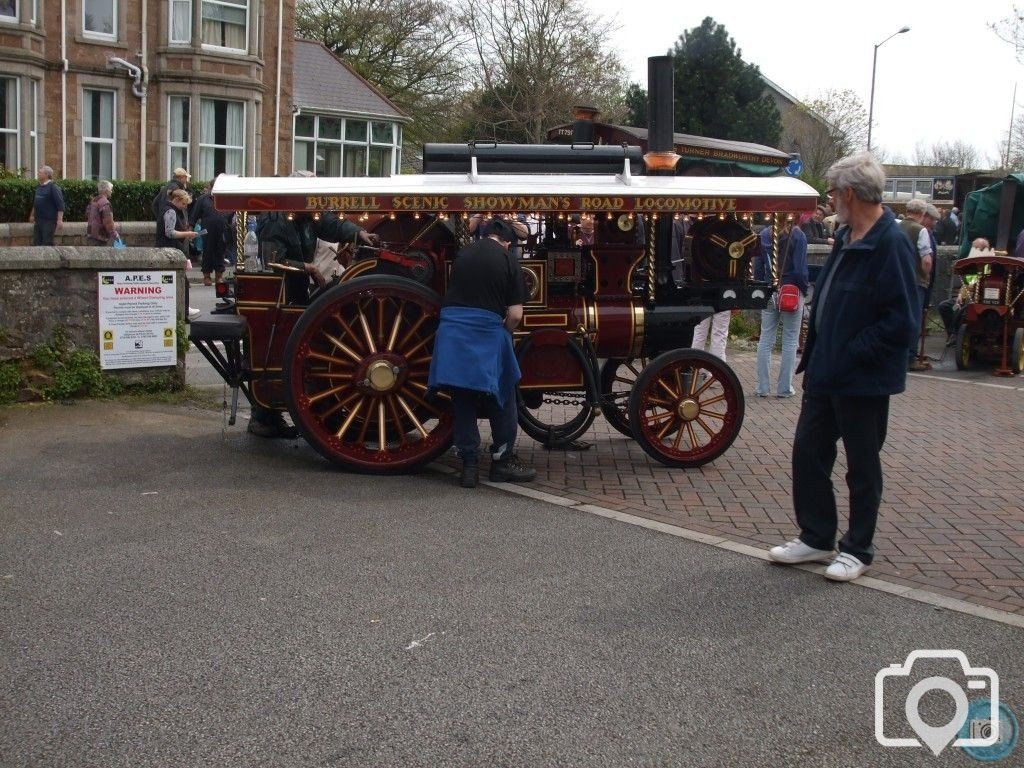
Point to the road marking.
(914, 593)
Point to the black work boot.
(272, 425)
(509, 469)
(470, 475)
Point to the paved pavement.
(176, 594)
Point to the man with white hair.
(863, 320)
(47, 214)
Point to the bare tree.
(1011, 30)
(412, 50)
(947, 154)
(826, 128)
(532, 61)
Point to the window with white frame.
(221, 137)
(382, 143)
(9, 155)
(225, 23)
(181, 22)
(318, 146)
(178, 138)
(8, 10)
(99, 18)
(98, 134)
(332, 146)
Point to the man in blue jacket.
(863, 322)
(473, 353)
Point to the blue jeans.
(504, 423)
(770, 318)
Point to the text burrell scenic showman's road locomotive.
(610, 314)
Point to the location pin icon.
(937, 739)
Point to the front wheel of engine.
(686, 408)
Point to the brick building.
(130, 89)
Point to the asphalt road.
(176, 594)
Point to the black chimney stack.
(661, 160)
(660, 87)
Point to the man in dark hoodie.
(863, 321)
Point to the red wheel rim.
(690, 409)
(357, 380)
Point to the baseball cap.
(182, 172)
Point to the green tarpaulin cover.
(981, 214)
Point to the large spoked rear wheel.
(355, 376)
(686, 408)
(617, 380)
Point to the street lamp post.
(874, 65)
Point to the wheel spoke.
(366, 331)
(382, 441)
(711, 432)
(337, 407)
(712, 401)
(664, 385)
(351, 417)
(329, 375)
(327, 393)
(668, 426)
(381, 316)
(410, 334)
(655, 418)
(693, 436)
(412, 417)
(327, 358)
(393, 336)
(339, 344)
(349, 332)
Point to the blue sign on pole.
(795, 167)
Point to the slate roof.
(323, 82)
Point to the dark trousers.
(950, 314)
(504, 422)
(213, 245)
(42, 232)
(861, 423)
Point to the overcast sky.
(962, 74)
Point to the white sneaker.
(845, 568)
(193, 313)
(796, 551)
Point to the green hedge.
(131, 200)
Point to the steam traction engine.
(351, 366)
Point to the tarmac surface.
(175, 592)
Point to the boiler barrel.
(530, 158)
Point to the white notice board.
(138, 319)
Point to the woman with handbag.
(785, 308)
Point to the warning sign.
(137, 312)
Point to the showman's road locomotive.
(351, 365)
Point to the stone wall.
(44, 288)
